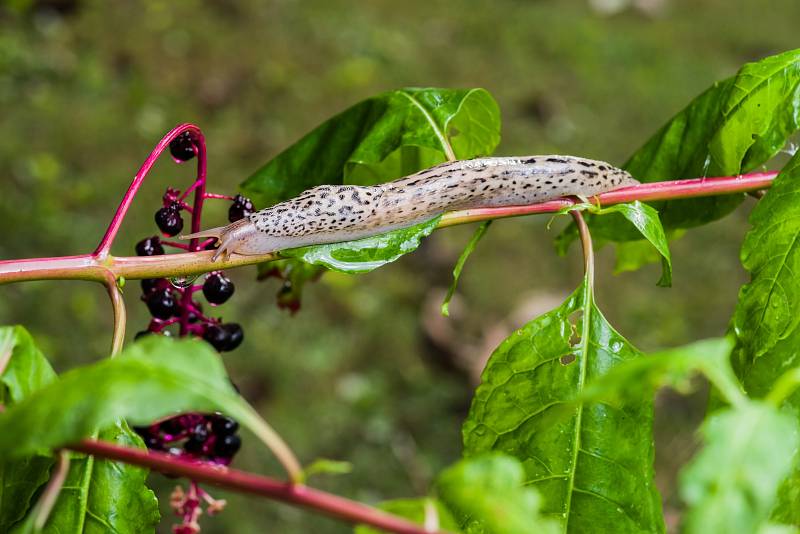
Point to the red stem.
(218, 196)
(199, 188)
(243, 482)
(669, 190)
(89, 267)
(111, 233)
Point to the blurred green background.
(367, 371)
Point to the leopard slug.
(334, 213)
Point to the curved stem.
(274, 442)
(586, 329)
(92, 267)
(50, 495)
(104, 247)
(120, 314)
(588, 252)
(240, 481)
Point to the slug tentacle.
(334, 213)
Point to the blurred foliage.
(359, 374)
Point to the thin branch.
(89, 267)
(242, 482)
(588, 251)
(43, 507)
(120, 314)
(111, 233)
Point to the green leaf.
(592, 463)
(488, 494)
(765, 322)
(153, 378)
(769, 306)
(632, 255)
(646, 220)
(101, 496)
(415, 510)
(731, 485)
(473, 242)
(638, 379)
(25, 371)
(733, 127)
(364, 255)
(323, 466)
(416, 127)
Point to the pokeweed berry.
(182, 147)
(172, 426)
(194, 445)
(143, 333)
(200, 431)
(227, 446)
(140, 334)
(217, 336)
(150, 246)
(223, 425)
(241, 208)
(218, 288)
(236, 335)
(224, 337)
(149, 284)
(169, 219)
(161, 303)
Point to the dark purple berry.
(241, 208)
(141, 334)
(200, 432)
(223, 425)
(153, 442)
(227, 446)
(236, 335)
(194, 445)
(169, 220)
(149, 284)
(150, 246)
(218, 288)
(218, 336)
(161, 303)
(172, 426)
(182, 147)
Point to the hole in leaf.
(567, 359)
(574, 321)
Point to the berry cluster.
(211, 437)
(173, 303)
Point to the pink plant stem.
(182, 246)
(242, 482)
(89, 267)
(189, 191)
(218, 196)
(108, 239)
(197, 213)
(670, 190)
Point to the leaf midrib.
(448, 150)
(585, 333)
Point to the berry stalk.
(243, 482)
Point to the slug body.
(334, 213)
